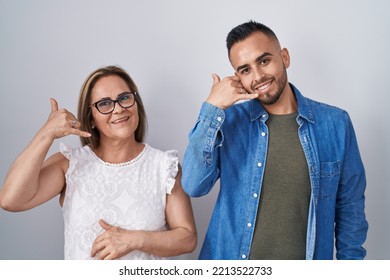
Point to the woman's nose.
(118, 108)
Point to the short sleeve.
(66, 150)
(172, 167)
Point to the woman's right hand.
(62, 123)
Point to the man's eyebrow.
(263, 55)
(257, 60)
(241, 67)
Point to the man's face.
(261, 66)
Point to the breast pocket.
(329, 178)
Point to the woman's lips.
(120, 120)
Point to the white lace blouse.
(131, 195)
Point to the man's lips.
(263, 86)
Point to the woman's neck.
(119, 151)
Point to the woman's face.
(121, 123)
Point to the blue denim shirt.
(231, 145)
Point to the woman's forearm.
(168, 243)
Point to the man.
(291, 178)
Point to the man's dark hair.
(246, 29)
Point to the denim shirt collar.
(304, 107)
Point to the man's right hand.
(227, 92)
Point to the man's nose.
(258, 74)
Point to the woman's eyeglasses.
(107, 105)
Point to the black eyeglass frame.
(115, 101)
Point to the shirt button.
(255, 195)
(249, 224)
(263, 134)
(259, 164)
(219, 119)
(243, 256)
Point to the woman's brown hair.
(84, 113)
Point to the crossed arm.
(180, 238)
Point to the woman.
(121, 198)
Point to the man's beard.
(272, 97)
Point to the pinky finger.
(104, 254)
(248, 96)
(109, 257)
(79, 132)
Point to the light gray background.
(339, 55)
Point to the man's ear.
(285, 57)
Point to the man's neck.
(286, 103)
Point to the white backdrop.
(339, 54)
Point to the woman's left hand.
(113, 243)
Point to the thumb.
(104, 224)
(54, 105)
(216, 79)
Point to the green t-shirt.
(281, 223)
